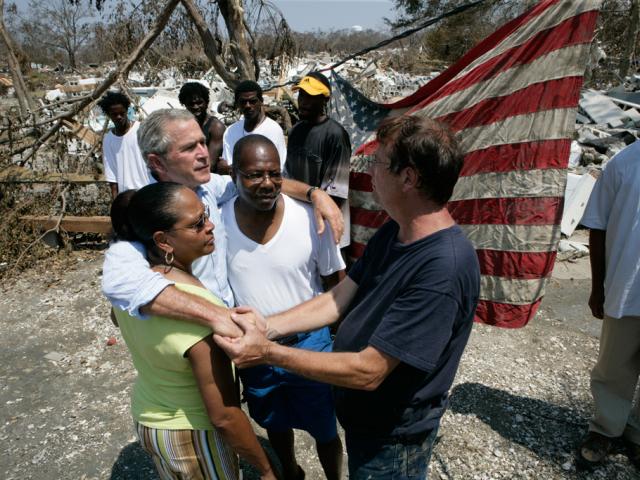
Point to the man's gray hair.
(152, 136)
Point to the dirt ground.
(518, 408)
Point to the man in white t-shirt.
(124, 167)
(276, 260)
(248, 99)
(613, 217)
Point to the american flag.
(512, 100)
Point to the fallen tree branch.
(12, 139)
(209, 45)
(62, 102)
(25, 101)
(400, 36)
(94, 147)
(123, 70)
(55, 228)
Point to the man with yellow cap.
(319, 150)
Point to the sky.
(310, 15)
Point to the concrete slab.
(602, 109)
(576, 201)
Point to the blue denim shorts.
(376, 459)
(279, 400)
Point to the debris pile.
(76, 146)
(607, 121)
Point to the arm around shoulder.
(127, 281)
(130, 284)
(179, 305)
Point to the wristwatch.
(310, 191)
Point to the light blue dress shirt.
(614, 206)
(129, 283)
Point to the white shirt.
(267, 127)
(123, 162)
(286, 270)
(129, 283)
(614, 206)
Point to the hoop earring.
(168, 258)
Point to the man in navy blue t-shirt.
(406, 306)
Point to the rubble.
(607, 121)
(602, 109)
(576, 196)
(153, 89)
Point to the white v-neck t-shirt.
(269, 128)
(286, 270)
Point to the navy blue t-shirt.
(415, 302)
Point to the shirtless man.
(195, 97)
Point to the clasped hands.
(252, 348)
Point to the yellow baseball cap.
(312, 86)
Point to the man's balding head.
(245, 149)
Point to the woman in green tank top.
(184, 402)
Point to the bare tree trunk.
(630, 40)
(72, 59)
(123, 70)
(25, 102)
(233, 15)
(209, 44)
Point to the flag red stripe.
(507, 211)
(521, 265)
(504, 314)
(518, 156)
(360, 181)
(498, 263)
(483, 47)
(504, 271)
(356, 249)
(562, 93)
(368, 218)
(573, 31)
(499, 158)
(368, 148)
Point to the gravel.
(519, 406)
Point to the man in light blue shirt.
(174, 148)
(613, 217)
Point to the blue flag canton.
(356, 113)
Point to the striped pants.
(189, 454)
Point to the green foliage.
(449, 39)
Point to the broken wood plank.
(97, 224)
(81, 132)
